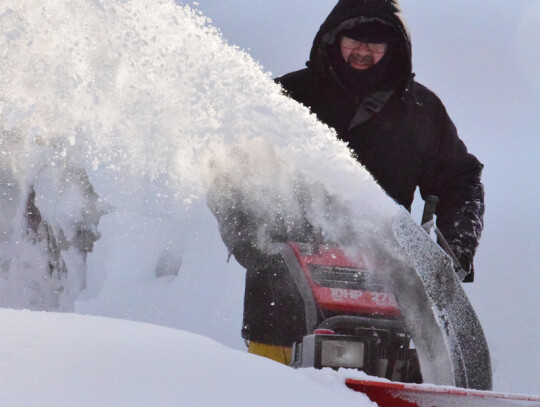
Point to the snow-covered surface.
(144, 97)
(50, 359)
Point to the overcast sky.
(483, 60)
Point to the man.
(359, 81)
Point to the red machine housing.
(342, 285)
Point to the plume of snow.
(132, 108)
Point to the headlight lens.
(335, 353)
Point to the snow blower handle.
(429, 210)
(427, 223)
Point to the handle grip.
(429, 209)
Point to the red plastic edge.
(389, 393)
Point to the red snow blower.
(402, 325)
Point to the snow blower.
(411, 329)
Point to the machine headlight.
(338, 353)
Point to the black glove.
(465, 261)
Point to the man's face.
(361, 55)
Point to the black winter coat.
(410, 143)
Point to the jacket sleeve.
(455, 177)
(248, 232)
(238, 225)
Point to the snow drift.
(51, 359)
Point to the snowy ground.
(145, 98)
(50, 359)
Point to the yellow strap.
(281, 354)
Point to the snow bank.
(53, 359)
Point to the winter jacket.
(398, 129)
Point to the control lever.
(428, 223)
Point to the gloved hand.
(466, 262)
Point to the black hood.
(348, 14)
